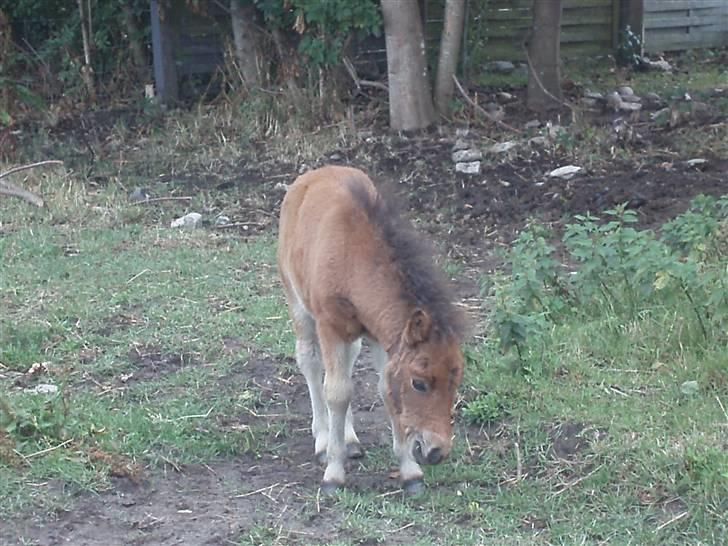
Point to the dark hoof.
(329, 488)
(414, 487)
(354, 450)
(321, 458)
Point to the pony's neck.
(384, 314)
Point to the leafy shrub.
(621, 272)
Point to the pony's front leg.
(338, 389)
(410, 472)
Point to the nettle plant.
(618, 271)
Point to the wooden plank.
(675, 5)
(674, 41)
(683, 21)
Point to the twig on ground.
(672, 520)
(238, 224)
(8, 188)
(482, 111)
(160, 199)
(250, 493)
(48, 450)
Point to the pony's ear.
(418, 328)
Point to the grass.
(608, 430)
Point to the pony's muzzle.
(426, 453)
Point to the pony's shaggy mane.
(423, 284)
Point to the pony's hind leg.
(308, 358)
(338, 356)
(353, 446)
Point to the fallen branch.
(8, 188)
(359, 82)
(160, 199)
(480, 109)
(238, 224)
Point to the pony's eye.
(419, 385)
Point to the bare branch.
(30, 166)
(480, 109)
(8, 188)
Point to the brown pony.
(351, 268)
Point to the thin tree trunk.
(452, 35)
(247, 38)
(135, 45)
(544, 73)
(410, 99)
(87, 71)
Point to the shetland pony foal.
(351, 268)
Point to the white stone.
(222, 220)
(565, 172)
(625, 91)
(695, 162)
(472, 167)
(188, 220)
(466, 155)
(43, 388)
(502, 147)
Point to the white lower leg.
(309, 361)
(338, 396)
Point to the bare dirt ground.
(224, 500)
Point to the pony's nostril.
(434, 456)
(417, 451)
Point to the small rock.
(625, 91)
(565, 172)
(188, 220)
(593, 95)
(472, 167)
(533, 124)
(632, 98)
(502, 67)
(652, 97)
(466, 155)
(281, 186)
(537, 141)
(660, 65)
(502, 147)
(689, 388)
(502, 95)
(139, 194)
(696, 162)
(43, 388)
(460, 144)
(222, 220)
(335, 157)
(589, 102)
(462, 132)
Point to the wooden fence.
(588, 27)
(672, 25)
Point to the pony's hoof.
(329, 488)
(321, 458)
(354, 450)
(414, 487)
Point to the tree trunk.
(410, 99)
(452, 35)
(544, 73)
(246, 37)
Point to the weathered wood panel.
(672, 25)
(588, 27)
